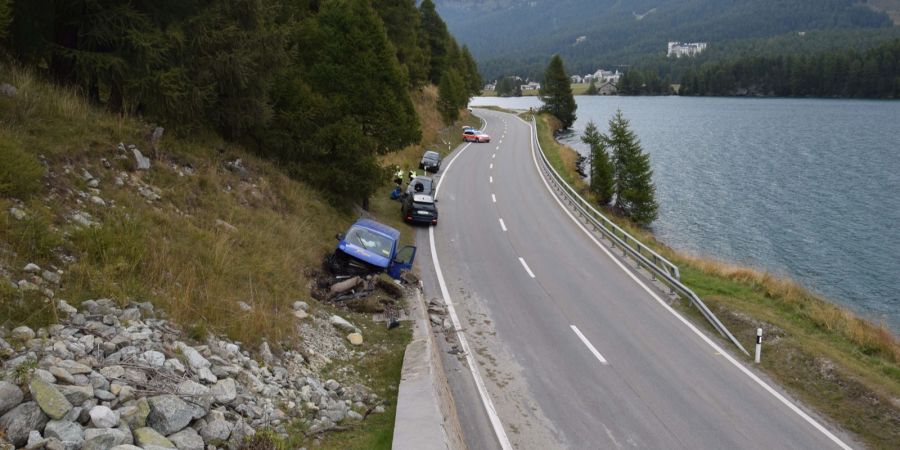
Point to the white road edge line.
(494, 198)
(470, 360)
(690, 325)
(502, 225)
(589, 345)
(525, 265)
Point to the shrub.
(20, 171)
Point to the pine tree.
(592, 89)
(435, 40)
(5, 17)
(635, 192)
(473, 78)
(602, 170)
(452, 95)
(556, 93)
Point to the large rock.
(51, 401)
(342, 324)
(21, 334)
(200, 399)
(105, 438)
(194, 358)
(70, 434)
(145, 437)
(135, 416)
(187, 439)
(217, 429)
(224, 391)
(16, 423)
(10, 396)
(77, 395)
(168, 414)
(103, 417)
(141, 162)
(355, 338)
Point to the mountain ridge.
(519, 36)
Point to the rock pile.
(109, 377)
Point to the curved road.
(573, 350)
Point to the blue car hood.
(365, 255)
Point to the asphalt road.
(573, 351)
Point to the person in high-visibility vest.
(412, 174)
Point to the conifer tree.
(602, 170)
(436, 40)
(556, 93)
(635, 192)
(592, 89)
(452, 95)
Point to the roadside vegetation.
(844, 366)
(256, 161)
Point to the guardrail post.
(758, 344)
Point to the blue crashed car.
(369, 247)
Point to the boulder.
(75, 367)
(62, 375)
(194, 358)
(355, 338)
(35, 440)
(300, 306)
(70, 434)
(103, 417)
(145, 437)
(135, 416)
(48, 397)
(105, 438)
(20, 420)
(342, 324)
(32, 268)
(141, 162)
(224, 391)
(21, 334)
(168, 414)
(217, 429)
(153, 358)
(77, 395)
(10, 396)
(51, 277)
(187, 439)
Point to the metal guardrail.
(645, 256)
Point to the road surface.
(570, 349)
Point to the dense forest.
(321, 86)
(518, 37)
(874, 73)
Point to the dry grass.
(172, 251)
(870, 338)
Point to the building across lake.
(679, 49)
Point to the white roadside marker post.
(758, 343)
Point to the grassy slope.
(845, 367)
(172, 252)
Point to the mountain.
(519, 36)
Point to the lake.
(803, 188)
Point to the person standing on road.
(412, 174)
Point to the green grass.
(843, 366)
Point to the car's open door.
(403, 261)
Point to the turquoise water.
(805, 188)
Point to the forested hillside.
(518, 37)
(322, 87)
(871, 74)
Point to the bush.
(20, 172)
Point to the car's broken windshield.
(370, 241)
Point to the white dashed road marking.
(494, 198)
(525, 265)
(502, 225)
(589, 345)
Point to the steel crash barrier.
(659, 267)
